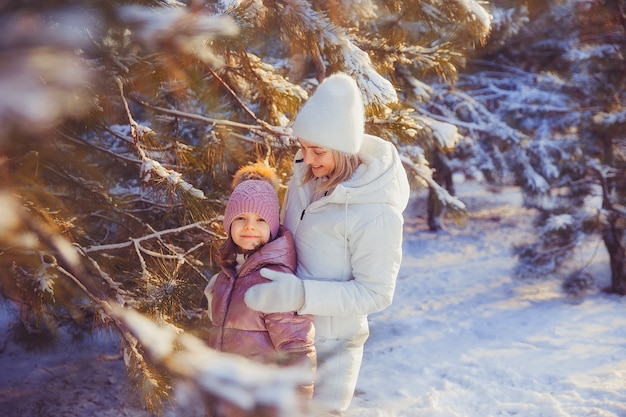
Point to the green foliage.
(572, 163)
(125, 121)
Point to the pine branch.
(156, 235)
(261, 130)
(140, 250)
(215, 375)
(238, 100)
(149, 165)
(114, 155)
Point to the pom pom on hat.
(334, 116)
(253, 196)
(257, 171)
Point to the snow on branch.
(460, 106)
(423, 173)
(186, 30)
(508, 22)
(478, 13)
(376, 89)
(535, 182)
(338, 48)
(148, 165)
(42, 76)
(262, 130)
(231, 378)
(446, 134)
(173, 253)
(559, 222)
(156, 235)
(610, 119)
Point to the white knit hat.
(334, 116)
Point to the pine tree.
(586, 197)
(122, 123)
(545, 102)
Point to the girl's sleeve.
(208, 293)
(293, 336)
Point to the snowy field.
(462, 338)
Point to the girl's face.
(249, 231)
(321, 160)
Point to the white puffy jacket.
(349, 248)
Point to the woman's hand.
(284, 293)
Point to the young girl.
(256, 240)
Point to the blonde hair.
(345, 165)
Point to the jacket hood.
(279, 252)
(379, 179)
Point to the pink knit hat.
(253, 196)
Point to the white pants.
(337, 373)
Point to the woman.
(344, 207)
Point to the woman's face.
(249, 231)
(321, 160)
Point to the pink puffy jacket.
(283, 338)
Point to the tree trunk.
(613, 238)
(442, 174)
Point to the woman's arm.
(376, 255)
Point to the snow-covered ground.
(462, 338)
(75, 379)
